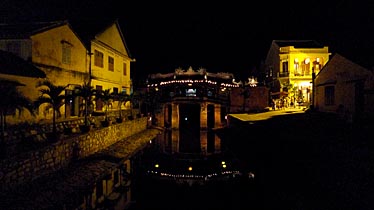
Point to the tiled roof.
(14, 65)
(340, 63)
(25, 30)
(85, 29)
(299, 43)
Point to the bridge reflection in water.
(168, 178)
(164, 163)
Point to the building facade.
(71, 54)
(346, 88)
(110, 60)
(290, 66)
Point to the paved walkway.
(250, 117)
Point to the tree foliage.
(87, 92)
(53, 96)
(12, 100)
(107, 98)
(121, 98)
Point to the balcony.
(283, 74)
(302, 75)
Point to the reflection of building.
(289, 66)
(344, 83)
(191, 105)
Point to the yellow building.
(289, 66)
(109, 55)
(71, 54)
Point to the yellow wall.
(301, 83)
(110, 44)
(47, 50)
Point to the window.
(66, 53)
(296, 67)
(99, 59)
(191, 92)
(329, 95)
(285, 66)
(316, 65)
(99, 189)
(110, 63)
(116, 178)
(306, 67)
(115, 90)
(124, 69)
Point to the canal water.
(207, 189)
(299, 161)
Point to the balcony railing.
(287, 74)
(283, 74)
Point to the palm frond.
(53, 95)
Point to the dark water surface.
(154, 194)
(302, 161)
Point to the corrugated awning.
(279, 93)
(13, 65)
(8, 82)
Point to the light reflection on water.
(217, 179)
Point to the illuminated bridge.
(191, 104)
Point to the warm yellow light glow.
(223, 165)
(307, 60)
(156, 165)
(251, 175)
(190, 168)
(223, 162)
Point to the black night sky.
(221, 36)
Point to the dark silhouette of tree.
(12, 100)
(121, 98)
(53, 96)
(137, 98)
(87, 92)
(245, 94)
(106, 97)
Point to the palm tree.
(54, 97)
(12, 99)
(106, 97)
(87, 92)
(121, 98)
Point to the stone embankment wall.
(29, 166)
